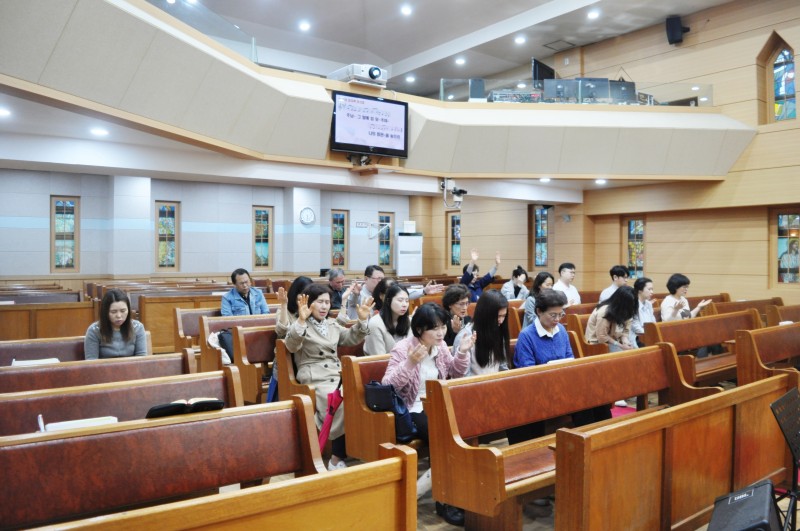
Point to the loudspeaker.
(750, 509)
(675, 30)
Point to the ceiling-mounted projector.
(366, 74)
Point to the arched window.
(783, 86)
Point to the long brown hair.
(106, 330)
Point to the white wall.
(117, 224)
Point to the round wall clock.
(307, 216)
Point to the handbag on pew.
(381, 397)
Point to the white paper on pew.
(6, 302)
(784, 323)
(561, 360)
(23, 363)
(220, 293)
(80, 423)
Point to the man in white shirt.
(566, 274)
(619, 277)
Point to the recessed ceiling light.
(98, 131)
(410, 79)
(520, 39)
(304, 25)
(520, 85)
(593, 14)
(695, 88)
(170, 1)
(449, 96)
(460, 61)
(600, 181)
(406, 9)
(237, 27)
(703, 99)
(544, 180)
(4, 112)
(192, 1)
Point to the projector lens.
(374, 72)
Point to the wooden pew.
(664, 471)
(60, 476)
(40, 297)
(515, 317)
(287, 379)
(778, 314)
(366, 429)
(253, 353)
(691, 334)
(210, 359)
(128, 400)
(32, 321)
(72, 373)
(157, 314)
(767, 352)
(466, 408)
(63, 348)
(187, 326)
(590, 297)
(760, 305)
(378, 495)
(581, 309)
(577, 325)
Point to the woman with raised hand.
(643, 290)
(675, 307)
(414, 360)
(313, 339)
(543, 280)
(115, 335)
(456, 303)
(610, 322)
(515, 288)
(391, 324)
(488, 334)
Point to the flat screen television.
(369, 125)
(540, 72)
(623, 91)
(593, 88)
(564, 89)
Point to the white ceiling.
(427, 42)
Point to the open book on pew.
(79, 423)
(24, 363)
(181, 407)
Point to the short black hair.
(298, 285)
(380, 291)
(371, 269)
(518, 272)
(618, 271)
(427, 317)
(454, 293)
(314, 291)
(550, 298)
(237, 272)
(622, 306)
(639, 285)
(541, 278)
(475, 268)
(677, 281)
(565, 265)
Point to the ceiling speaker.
(675, 30)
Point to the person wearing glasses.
(610, 322)
(373, 274)
(456, 302)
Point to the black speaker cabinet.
(750, 509)
(675, 30)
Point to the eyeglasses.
(462, 304)
(557, 316)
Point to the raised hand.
(704, 303)
(456, 324)
(347, 292)
(467, 343)
(473, 253)
(365, 310)
(303, 311)
(283, 297)
(418, 354)
(432, 287)
(497, 257)
(355, 289)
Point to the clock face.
(307, 216)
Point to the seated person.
(566, 277)
(115, 335)
(675, 306)
(488, 332)
(313, 339)
(456, 303)
(471, 272)
(619, 277)
(243, 298)
(610, 322)
(515, 288)
(543, 280)
(643, 290)
(336, 280)
(391, 324)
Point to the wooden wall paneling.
(16, 324)
(771, 149)
(61, 322)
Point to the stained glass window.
(64, 224)
(789, 248)
(540, 236)
(455, 239)
(262, 236)
(636, 248)
(385, 220)
(167, 235)
(339, 238)
(783, 86)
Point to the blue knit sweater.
(533, 349)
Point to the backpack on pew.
(381, 397)
(181, 407)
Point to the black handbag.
(381, 397)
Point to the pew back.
(757, 350)
(690, 334)
(210, 357)
(678, 461)
(148, 461)
(72, 373)
(31, 321)
(187, 326)
(129, 400)
(366, 429)
(777, 314)
(760, 305)
(577, 323)
(253, 352)
(63, 348)
(157, 311)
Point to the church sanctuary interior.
(156, 146)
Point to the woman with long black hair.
(489, 334)
(610, 322)
(391, 324)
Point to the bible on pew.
(181, 407)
